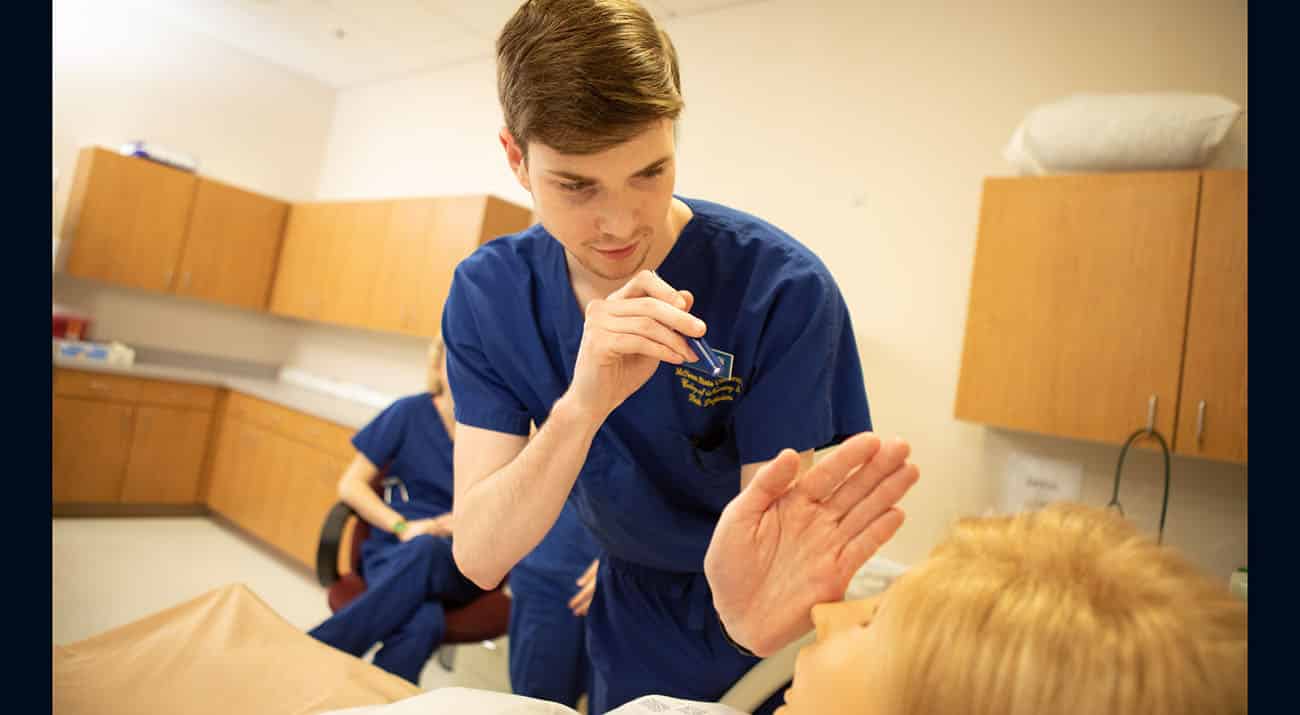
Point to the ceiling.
(345, 43)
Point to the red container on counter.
(71, 326)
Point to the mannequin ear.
(515, 158)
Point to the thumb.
(771, 483)
(689, 298)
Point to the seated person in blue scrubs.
(411, 578)
(694, 473)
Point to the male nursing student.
(717, 533)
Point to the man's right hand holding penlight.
(625, 337)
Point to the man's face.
(609, 209)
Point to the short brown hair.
(581, 76)
(1066, 609)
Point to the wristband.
(399, 526)
(740, 648)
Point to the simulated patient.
(1065, 610)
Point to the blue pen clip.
(702, 349)
(707, 357)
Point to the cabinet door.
(232, 246)
(312, 490)
(304, 269)
(230, 491)
(127, 219)
(1078, 303)
(357, 249)
(1212, 410)
(268, 484)
(406, 256)
(91, 441)
(166, 456)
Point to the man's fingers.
(820, 482)
(676, 319)
(770, 483)
(869, 540)
(623, 344)
(648, 283)
(874, 505)
(650, 329)
(581, 601)
(889, 459)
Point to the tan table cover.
(224, 652)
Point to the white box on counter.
(113, 353)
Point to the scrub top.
(410, 438)
(667, 460)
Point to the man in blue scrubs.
(717, 532)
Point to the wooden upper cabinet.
(304, 257)
(383, 265)
(353, 262)
(232, 246)
(1078, 303)
(1212, 411)
(405, 255)
(126, 219)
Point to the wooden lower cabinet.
(166, 456)
(312, 490)
(125, 440)
(92, 443)
(274, 486)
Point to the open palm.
(790, 541)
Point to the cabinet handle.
(1151, 414)
(99, 386)
(185, 280)
(167, 277)
(1200, 422)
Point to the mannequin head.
(1067, 607)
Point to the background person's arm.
(355, 491)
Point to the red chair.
(483, 619)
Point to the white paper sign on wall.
(1034, 482)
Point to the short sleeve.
(807, 388)
(482, 398)
(382, 437)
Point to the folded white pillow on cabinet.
(1121, 132)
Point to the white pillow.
(1121, 132)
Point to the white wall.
(865, 130)
(119, 75)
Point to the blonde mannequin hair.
(1065, 610)
(437, 353)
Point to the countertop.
(342, 411)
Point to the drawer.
(96, 385)
(177, 394)
(322, 434)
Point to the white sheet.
(486, 702)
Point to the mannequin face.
(841, 670)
